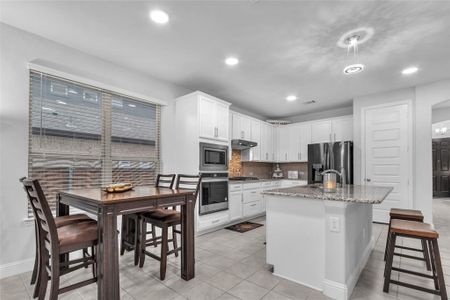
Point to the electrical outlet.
(335, 224)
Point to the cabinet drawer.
(235, 187)
(212, 221)
(266, 184)
(251, 185)
(250, 196)
(252, 208)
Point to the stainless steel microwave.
(213, 157)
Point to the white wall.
(440, 114)
(331, 113)
(17, 49)
(423, 98)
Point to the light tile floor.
(231, 265)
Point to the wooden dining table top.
(97, 195)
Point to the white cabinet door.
(252, 208)
(294, 143)
(236, 120)
(283, 143)
(207, 111)
(342, 129)
(222, 117)
(235, 206)
(267, 142)
(305, 139)
(245, 128)
(321, 132)
(255, 136)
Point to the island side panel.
(348, 245)
(296, 239)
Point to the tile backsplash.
(263, 170)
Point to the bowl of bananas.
(118, 187)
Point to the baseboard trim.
(335, 290)
(299, 282)
(16, 267)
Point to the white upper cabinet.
(267, 142)
(333, 130)
(293, 152)
(321, 132)
(213, 119)
(305, 139)
(282, 143)
(255, 136)
(241, 127)
(342, 129)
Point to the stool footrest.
(409, 248)
(409, 256)
(412, 272)
(415, 287)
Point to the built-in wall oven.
(213, 158)
(213, 193)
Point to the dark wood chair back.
(189, 182)
(45, 222)
(165, 180)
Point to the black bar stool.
(429, 236)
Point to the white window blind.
(83, 137)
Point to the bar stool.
(425, 233)
(408, 215)
(129, 238)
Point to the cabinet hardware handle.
(335, 137)
(368, 179)
(253, 204)
(300, 156)
(215, 221)
(285, 156)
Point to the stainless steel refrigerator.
(337, 156)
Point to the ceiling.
(284, 47)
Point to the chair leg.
(433, 265)
(39, 275)
(174, 240)
(136, 240)
(94, 257)
(426, 255)
(439, 272)
(54, 287)
(387, 239)
(154, 235)
(389, 261)
(143, 235)
(43, 278)
(122, 234)
(36, 257)
(164, 250)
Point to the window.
(84, 137)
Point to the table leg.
(187, 239)
(62, 210)
(107, 257)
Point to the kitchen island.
(321, 240)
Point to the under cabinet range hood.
(242, 144)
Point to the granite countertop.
(263, 180)
(348, 193)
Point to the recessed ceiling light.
(410, 70)
(353, 69)
(291, 98)
(231, 61)
(159, 16)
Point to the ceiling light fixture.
(159, 16)
(291, 98)
(231, 61)
(356, 67)
(410, 70)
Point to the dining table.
(108, 206)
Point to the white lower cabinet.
(213, 220)
(235, 205)
(252, 208)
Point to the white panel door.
(387, 156)
(321, 132)
(342, 129)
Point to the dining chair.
(54, 242)
(130, 223)
(59, 222)
(164, 219)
